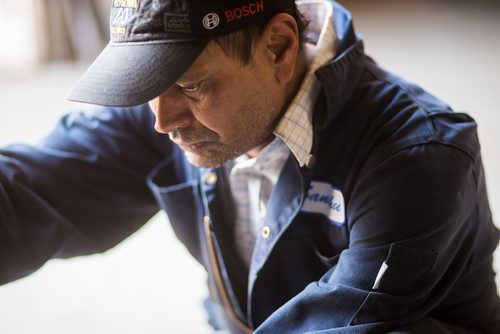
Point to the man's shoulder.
(412, 116)
(386, 114)
(384, 117)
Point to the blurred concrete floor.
(149, 283)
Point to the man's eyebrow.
(203, 71)
(192, 77)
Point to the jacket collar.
(339, 78)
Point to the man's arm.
(81, 190)
(420, 233)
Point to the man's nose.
(171, 113)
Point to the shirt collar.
(295, 127)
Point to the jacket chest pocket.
(401, 285)
(175, 185)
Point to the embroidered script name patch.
(322, 198)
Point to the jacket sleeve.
(416, 232)
(81, 190)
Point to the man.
(320, 192)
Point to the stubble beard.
(253, 127)
(213, 152)
(249, 134)
(216, 153)
(218, 158)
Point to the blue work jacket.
(387, 223)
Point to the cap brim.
(131, 74)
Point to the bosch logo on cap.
(246, 10)
(211, 21)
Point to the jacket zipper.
(218, 278)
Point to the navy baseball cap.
(153, 42)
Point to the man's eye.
(190, 89)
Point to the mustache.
(191, 135)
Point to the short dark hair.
(241, 44)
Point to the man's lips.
(192, 147)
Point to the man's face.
(219, 108)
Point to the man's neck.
(256, 150)
(304, 59)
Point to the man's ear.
(280, 39)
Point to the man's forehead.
(207, 62)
